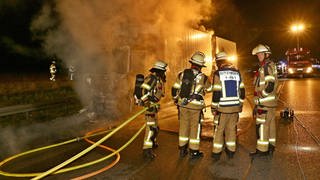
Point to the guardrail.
(17, 109)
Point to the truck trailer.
(139, 56)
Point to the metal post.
(298, 44)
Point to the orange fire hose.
(104, 168)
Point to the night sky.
(248, 22)
(19, 52)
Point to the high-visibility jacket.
(266, 84)
(200, 85)
(228, 90)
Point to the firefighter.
(72, 71)
(227, 100)
(188, 93)
(53, 70)
(265, 100)
(153, 89)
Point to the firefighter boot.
(183, 150)
(271, 149)
(216, 156)
(258, 153)
(148, 153)
(195, 154)
(229, 153)
(154, 144)
(154, 136)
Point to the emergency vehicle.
(299, 63)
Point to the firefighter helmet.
(198, 59)
(161, 65)
(261, 48)
(221, 56)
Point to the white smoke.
(17, 139)
(89, 35)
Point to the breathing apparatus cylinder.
(137, 94)
(137, 88)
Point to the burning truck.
(138, 58)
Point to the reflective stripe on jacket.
(266, 85)
(228, 90)
(152, 89)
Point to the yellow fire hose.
(55, 170)
(40, 149)
(110, 155)
(85, 176)
(89, 148)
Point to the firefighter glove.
(214, 111)
(175, 101)
(256, 101)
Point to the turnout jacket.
(153, 89)
(228, 90)
(266, 83)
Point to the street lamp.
(297, 29)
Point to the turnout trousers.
(225, 132)
(265, 128)
(151, 131)
(190, 127)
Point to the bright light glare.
(232, 58)
(306, 148)
(309, 70)
(297, 27)
(290, 70)
(208, 59)
(198, 36)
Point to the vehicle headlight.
(290, 70)
(309, 70)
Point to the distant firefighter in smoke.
(72, 71)
(150, 90)
(53, 71)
